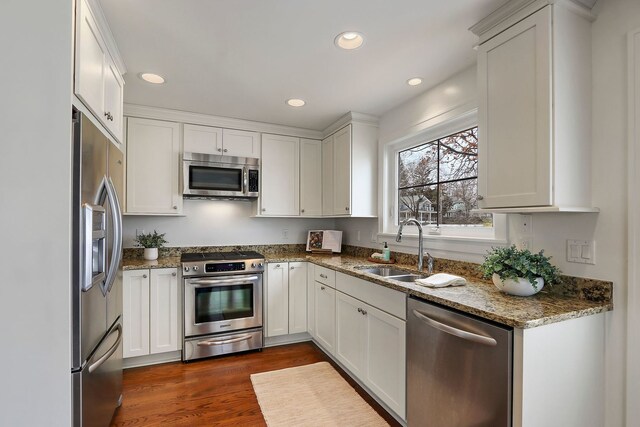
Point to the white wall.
(221, 222)
(35, 220)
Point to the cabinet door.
(153, 160)
(163, 312)
(113, 90)
(514, 147)
(385, 360)
(135, 313)
(342, 172)
(240, 143)
(310, 177)
(311, 301)
(280, 176)
(351, 333)
(90, 60)
(297, 297)
(277, 299)
(327, 176)
(202, 139)
(325, 311)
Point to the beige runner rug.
(311, 395)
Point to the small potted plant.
(519, 272)
(151, 242)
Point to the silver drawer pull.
(245, 337)
(322, 288)
(174, 274)
(324, 276)
(144, 276)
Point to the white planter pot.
(150, 254)
(520, 287)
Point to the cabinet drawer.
(325, 275)
(388, 300)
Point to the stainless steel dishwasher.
(459, 369)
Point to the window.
(438, 182)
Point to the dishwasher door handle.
(469, 336)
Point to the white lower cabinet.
(371, 344)
(325, 315)
(150, 312)
(286, 298)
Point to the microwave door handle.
(116, 214)
(244, 279)
(245, 181)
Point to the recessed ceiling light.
(152, 78)
(414, 81)
(349, 40)
(295, 102)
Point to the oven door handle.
(225, 341)
(244, 279)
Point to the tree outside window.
(438, 181)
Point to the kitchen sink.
(385, 271)
(408, 277)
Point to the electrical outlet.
(526, 224)
(285, 234)
(358, 236)
(374, 237)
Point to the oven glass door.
(214, 304)
(222, 304)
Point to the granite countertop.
(478, 297)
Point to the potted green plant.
(519, 271)
(151, 242)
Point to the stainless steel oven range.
(222, 303)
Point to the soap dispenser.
(386, 252)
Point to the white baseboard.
(152, 359)
(286, 339)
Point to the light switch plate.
(581, 251)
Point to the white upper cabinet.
(202, 139)
(218, 141)
(153, 160)
(350, 170)
(98, 82)
(310, 177)
(534, 82)
(240, 143)
(279, 194)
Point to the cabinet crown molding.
(350, 117)
(112, 47)
(525, 8)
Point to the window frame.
(480, 238)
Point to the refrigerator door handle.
(116, 214)
(109, 352)
(469, 336)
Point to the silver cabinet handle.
(225, 150)
(359, 310)
(109, 352)
(364, 312)
(479, 197)
(292, 268)
(174, 274)
(469, 336)
(264, 209)
(324, 276)
(347, 208)
(144, 276)
(302, 210)
(277, 265)
(226, 341)
(322, 288)
(220, 149)
(175, 207)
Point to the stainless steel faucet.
(420, 245)
(429, 263)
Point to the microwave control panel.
(253, 181)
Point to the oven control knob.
(186, 268)
(260, 265)
(253, 265)
(195, 268)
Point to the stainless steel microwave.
(210, 176)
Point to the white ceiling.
(244, 58)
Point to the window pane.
(418, 166)
(459, 155)
(457, 199)
(419, 203)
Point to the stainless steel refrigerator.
(96, 365)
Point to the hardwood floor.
(214, 392)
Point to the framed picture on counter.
(324, 241)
